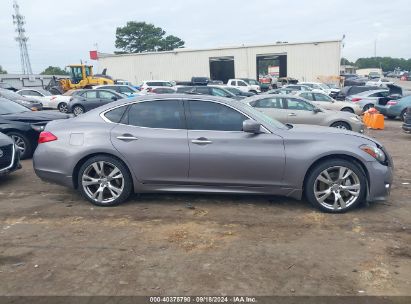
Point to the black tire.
(62, 107)
(341, 125)
(391, 117)
(349, 110)
(20, 138)
(78, 110)
(403, 114)
(309, 190)
(127, 183)
(367, 107)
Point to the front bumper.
(380, 181)
(407, 127)
(15, 165)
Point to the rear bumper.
(386, 111)
(54, 177)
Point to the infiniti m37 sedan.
(190, 143)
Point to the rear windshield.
(159, 84)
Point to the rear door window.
(299, 105)
(269, 103)
(90, 94)
(159, 114)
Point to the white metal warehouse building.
(304, 61)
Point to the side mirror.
(251, 126)
(317, 110)
(114, 98)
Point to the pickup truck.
(245, 85)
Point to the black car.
(352, 90)
(23, 125)
(208, 90)
(29, 103)
(407, 122)
(91, 99)
(9, 155)
(238, 92)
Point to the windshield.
(10, 107)
(233, 90)
(323, 86)
(10, 95)
(253, 82)
(44, 92)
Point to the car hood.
(315, 132)
(5, 140)
(35, 117)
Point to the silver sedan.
(190, 143)
(296, 110)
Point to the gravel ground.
(54, 243)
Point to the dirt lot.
(54, 243)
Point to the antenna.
(21, 38)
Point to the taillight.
(392, 103)
(356, 99)
(46, 137)
(53, 97)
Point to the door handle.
(201, 141)
(127, 137)
(292, 114)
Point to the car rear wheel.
(336, 186)
(341, 125)
(350, 110)
(22, 143)
(78, 110)
(62, 107)
(105, 181)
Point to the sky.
(62, 32)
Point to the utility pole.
(375, 48)
(21, 38)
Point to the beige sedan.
(326, 102)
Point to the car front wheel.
(78, 110)
(336, 186)
(104, 181)
(350, 110)
(341, 125)
(22, 143)
(62, 107)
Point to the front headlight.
(355, 118)
(375, 152)
(25, 102)
(38, 128)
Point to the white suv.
(148, 85)
(244, 86)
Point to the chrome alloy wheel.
(337, 188)
(20, 144)
(103, 182)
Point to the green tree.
(51, 70)
(137, 37)
(2, 71)
(386, 63)
(345, 61)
